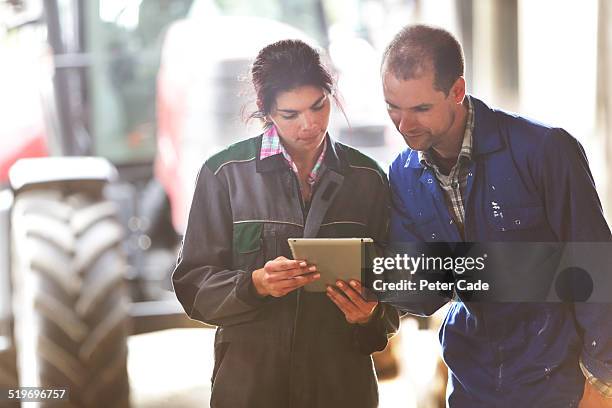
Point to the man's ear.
(457, 91)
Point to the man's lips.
(414, 135)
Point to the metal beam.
(68, 83)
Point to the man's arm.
(574, 212)
(402, 231)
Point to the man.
(467, 163)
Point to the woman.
(276, 345)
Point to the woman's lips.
(310, 138)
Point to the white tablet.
(335, 258)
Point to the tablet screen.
(335, 258)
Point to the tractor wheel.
(71, 306)
(8, 374)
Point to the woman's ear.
(268, 122)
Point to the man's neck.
(448, 152)
(444, 164)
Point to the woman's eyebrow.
(295, 111)
(318, 101)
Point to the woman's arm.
(205, 285)
(385, 320)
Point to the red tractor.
(110, 108)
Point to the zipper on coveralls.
(296, 186)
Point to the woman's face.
(301, 117)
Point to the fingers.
(355, 308)
(275, 273)
(363, 293)
(347, 307)
(299, 281)
(281, 275)
(295, 273)
(352, 294)
(283, 264)
(282, 287)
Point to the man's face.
(421, 113)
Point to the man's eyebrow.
(391, 105)
(421, 106)
(415, 107)
(312, 106)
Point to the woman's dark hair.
(283, 66)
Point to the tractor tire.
(71, 306)
(8, 375)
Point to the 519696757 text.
(33, 394)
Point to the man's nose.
(406, 123)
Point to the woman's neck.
(305, 161)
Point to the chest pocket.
(515, 221)
(275, 236)
(429, 228)
(425, 226)
(247, 248)
(255, 243)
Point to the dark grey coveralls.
(297, 350)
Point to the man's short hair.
(419, 48)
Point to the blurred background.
(154, 87)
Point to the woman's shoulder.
(243, 151)
(360, 161)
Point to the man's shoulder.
(527, 137)
(517, 128)
(407, 158)
(522, 132)
(524, 127)
(240, 152)
(531, 135)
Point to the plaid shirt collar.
(271, 145)
(425, 157)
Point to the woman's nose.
(308, 121)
